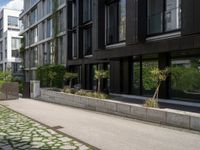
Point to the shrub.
(85, 93)
(151, 103)
(44, 74)
(69, 90)
(20, 81)
(81, 93)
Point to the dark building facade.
(129, 37)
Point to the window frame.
(107, 4)
(163, 21)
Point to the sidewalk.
(106, 131)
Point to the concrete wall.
(162, 116)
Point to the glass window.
(33, 2)
(115, 22)
(61, 24)
(16, 67)
(87, 10)
(172, 15)
(34, 35)
(136, 78)
(33, 16)
(50, 48)
(122, 20)
(34, 57)
(61, 2)
(149, 85)
(74, 13)
(74, 45)
(13, 21)
(87, 41)
(163, 16)
(185, 78)
(61, 49)
(50, 28)
(49, 6)
(15, 43)
(15, 53)
(45, 55)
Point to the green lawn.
(19, 132)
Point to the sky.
(12, 4)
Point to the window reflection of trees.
(185, 77)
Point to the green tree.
(158, 76)
(99, 75)
(70, 76)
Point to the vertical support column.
(98, 24)
(115, 76)
(164, 61)
(83, 77)
(126, 65)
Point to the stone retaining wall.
(162, 116)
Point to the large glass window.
(15, 43)
(163, 16)
(136, 78)
(33, 16)
(115, 21)
(87, 41)
(16, 67)
(149, 85)
(34, 57)
(74, 13)
(87, 10)
(34, 35)
(13, 21)
(50, 28)
(143, 83)
(74, 45)
(185, 78)
(49, 6)
(45, 54)
(51, 50)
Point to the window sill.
(88, 56)
(116, 45)
(164, 36)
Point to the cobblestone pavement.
(18, 132)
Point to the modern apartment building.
(129, 38)
(44, 34)
(10, 41)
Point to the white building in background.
(10, 41)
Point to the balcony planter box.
(162, 116)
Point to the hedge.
(43, 75)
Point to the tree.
(99, 75)
(159, 76)
(52, 75)
(70, 76)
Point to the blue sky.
(12, 4)
(3, 2)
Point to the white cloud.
(14, 4)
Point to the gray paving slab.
(107, 132)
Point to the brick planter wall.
(162, 116)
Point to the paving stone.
(25, 134)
